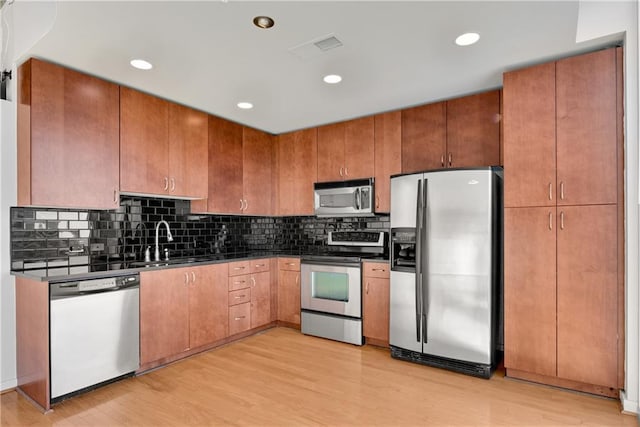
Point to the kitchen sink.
(173, 261)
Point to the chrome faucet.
(169, 238)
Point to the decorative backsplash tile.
(64, 240)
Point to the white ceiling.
(208, 54)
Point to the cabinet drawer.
(239, 282)
(239, 267)
(259, 265)
(239, 297)
(239, 318)
(291, 264)
(375, 269)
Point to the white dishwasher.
(94, 333)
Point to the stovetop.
(352, 247)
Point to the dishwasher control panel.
(81, 287)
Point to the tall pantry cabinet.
(563, 237)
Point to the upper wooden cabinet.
(560, 144)
(297, 171)
(162, 147)
(461, 132)
(388, 140)
(67, 138)
(240, 170)
(346, 150)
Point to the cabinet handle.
(346, 171)
(550, 191)
(238, 297)
(291, 263)
(550, 221)
(450, 159)
(239, 268)
(341, 171)
(253, 281)
(241, 204)
(193, 276)
(246, 204)
(166, 183)
(367, 289)
(239, 318)
(241, 281)
(377, 269)
(115, 196)
(173, 184)
(561, 190)
(562, 220)
(297, 279)
(259, 265)
(442, 160)
(186, 278)
(377, 202)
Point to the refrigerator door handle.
(424, 269)
(418, 293)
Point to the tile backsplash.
(66, 241)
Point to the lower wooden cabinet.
(181, 309)
(239, 318)
(289, 290)
(249, 295)
(375, 316)
(260, 298)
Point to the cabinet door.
(144, 143)
(239, 318)
(297, 171)
(225, 166)
(289, 296)
(164, 314)
(375, 317)
(74, 141)
(257, 149)
(530, 136)
(359, 148)
(188, 152)
(586, 129)
(260, 299)
(208, 313)
(331, 152)
(424, 136)
(530, 290)
(473, 130)
(388, 149)
(587, 294)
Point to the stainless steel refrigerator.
(446, 268)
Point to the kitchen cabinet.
(289, 291)
(461, 132)
(260, 293)
(563, 237)
(346, 150)
(249, 296)
(68, 143)
(375, 315)
(387, 151)
(240, 170)
(297, 161)
(163, 147)
(181, 309)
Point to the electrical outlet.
(97, 247)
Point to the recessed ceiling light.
(332, 79)
(263, 22)
(245, 105)
(467, 39)
(141, 64)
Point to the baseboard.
(628, 406)
(8, 385)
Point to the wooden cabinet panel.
(530, 136)
(388, 150)
(473, 130)
(239, 318)
(225, 166)
(208, 314)
(297, 171)
(164, 314)
(586, 129)
(290, 264)
(424, 137)
(238, 282)
(376, 269)
(188, 152)
(259, 265)
(359, 148)
(144, 143)
(375, 317)
(239, 267)
(289, 296)
(587, 294)
(68, 138)
(530, 290)
(331, 152)
(260, 299)
(257, 149)
(239, 296)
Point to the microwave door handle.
(418, 271)
(358, 199)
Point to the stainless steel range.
(331, 285)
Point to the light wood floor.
(281, 377)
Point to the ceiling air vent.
(316, 47)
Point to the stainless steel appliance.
(446, 268)
(94, 332)
(344, 198)
(331, 285)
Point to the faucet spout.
(169, 238)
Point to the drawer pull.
(291, 263)
(239, 318)
(238, 268)
(378, 269)
(259, 265)
(240, 296)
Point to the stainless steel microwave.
(344, 198)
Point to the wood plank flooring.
(283, 378)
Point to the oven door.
(331, 288)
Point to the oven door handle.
(331, 263)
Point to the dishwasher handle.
(76, 288)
